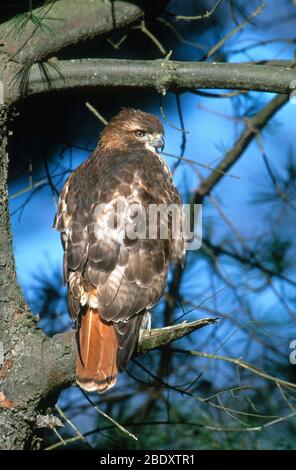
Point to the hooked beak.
(158, 143)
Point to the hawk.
(113, 280)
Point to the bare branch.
(151, 36)
(160, 75)
(207, 14)
(96, 113)
(235, 30)
(102, 413)
(240, 363)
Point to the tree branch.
(159, 337)
(161, 75)
(64, 23)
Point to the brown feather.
(96, 369)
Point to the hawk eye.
(139, 133)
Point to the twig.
(143, 27)
(261, 43)
(170, 423)
(72, 425)
(255, 124)
(240, 363)
(235, 30)
(228, 411)
(231, 390)
(59, 436)
(184, 136)
(230, 94)
(202, 165)
(164, 117)
(219, 250)
(285, 398)
(116, 45)
(96, 113)
(169, 25)
(196, 307)
(275, 421)
(207, 14)
(102, 413)
(69, 440)
(49, 177)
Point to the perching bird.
(113, 279)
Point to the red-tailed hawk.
(114, 279)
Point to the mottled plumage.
(113, 280)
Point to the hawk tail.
(96, 367)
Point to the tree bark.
(33, 367)
(68, 22)
(161, 75)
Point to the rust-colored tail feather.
(96, 369)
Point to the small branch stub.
(161, 336)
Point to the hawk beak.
(158, 143)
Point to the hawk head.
(132, 127)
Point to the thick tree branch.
(161, 75)
(65, 23)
